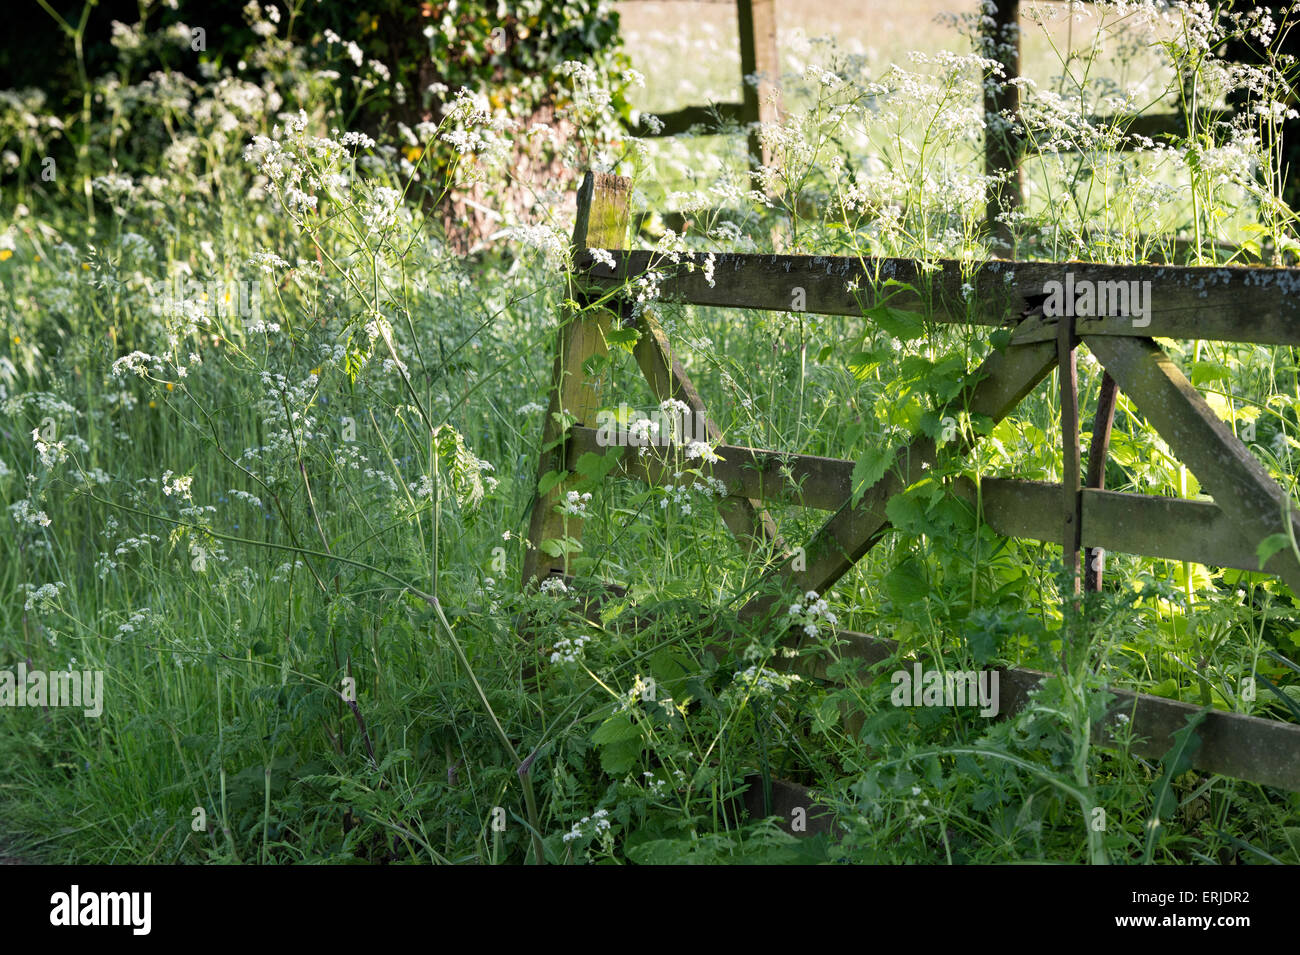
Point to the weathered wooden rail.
(1265, 301)
(1257, 305)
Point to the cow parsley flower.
(701, 450)
(173, 484)
(569, 650)
(43, 599)
(575, 504)
(811, 612)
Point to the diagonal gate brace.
(1003, 380)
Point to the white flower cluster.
(135, 543)
(760, 681)
(551, 243)
(87, 478)
(137, 620)
(173, 484)
(260, 326)
(296, 166)
(43, 599)
(658, 784)
(575, 504)
(569, 650)
(701, 450)
(41, 401)
(137, 363)
(811, 611)
(647, 291)
(681, 496)
(26, 515)
(246, 498)
(587, 89)
(382, 209)
(643, 432)
(422, 488)
(267, 262)
(553, 585)
(675, 412)
(50, 453)
(114, 185)
(599, 823)
(910, 804)
(640, 689)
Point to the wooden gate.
(1214, 303)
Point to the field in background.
(689, 53)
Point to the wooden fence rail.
(1212, 303)
(1232, 304)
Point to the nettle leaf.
(907, 511)
(870, 468)
(914, 368)
(897, 323)
(624, 338)
(595, 467)
(669, 667)
(560, 546)
(862, 364)
(1269, 546)
(946, 377)
(906, 583)
(907, 413)
(983, 424)
(617, 729)
(1204, 372)
(619, 741)
(549, 480)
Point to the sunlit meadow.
(270, 439)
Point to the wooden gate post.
(601, 224)
(1002, 148)
(758, 54)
